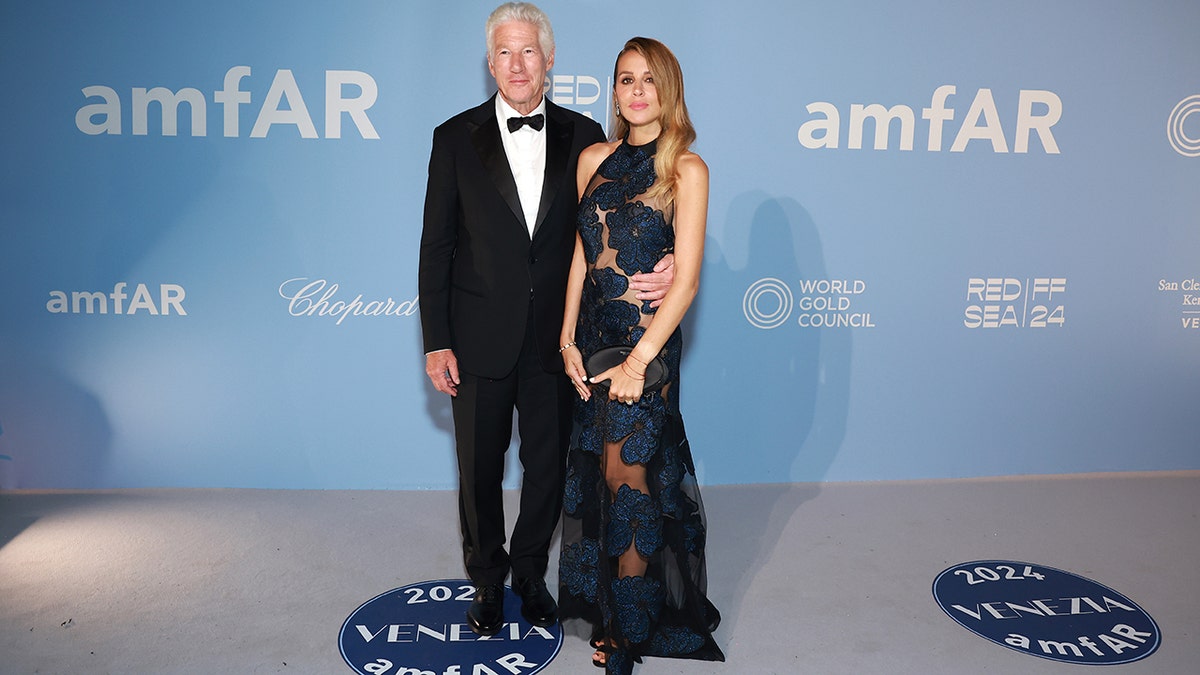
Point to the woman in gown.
(632, 561)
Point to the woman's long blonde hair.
(677, 132)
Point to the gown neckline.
(648, 148)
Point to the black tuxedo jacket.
(480, 274)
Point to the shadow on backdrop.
(55, 433)
(766, 405)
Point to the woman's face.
(635, 92)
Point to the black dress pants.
(483, 413)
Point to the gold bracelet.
(647, 365)
(629, 373)
(565, 347)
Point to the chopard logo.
(318, 297)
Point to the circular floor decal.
(1046, 612)
(421, 629)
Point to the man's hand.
(654, 285)
(442, 369)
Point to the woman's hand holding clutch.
(624, 382)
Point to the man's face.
(518, 64)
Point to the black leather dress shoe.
(537, 605)
(485, 616)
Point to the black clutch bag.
(609, 357)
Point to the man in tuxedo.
(498, 237)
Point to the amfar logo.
(170, 298)
(105, 117)
(1046, 612)
(1037, 112)
(1177, 133)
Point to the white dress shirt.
(526, 151)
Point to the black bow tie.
(534, 121)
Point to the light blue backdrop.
(1008, 298)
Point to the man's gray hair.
(526, 12)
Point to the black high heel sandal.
(603, 648)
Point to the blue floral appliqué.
(588, 222)
(638, 234)
(620, 662)
(668, 479)
(619, 163)
(641, 444)
(630, 172)
(609, 284)
(640, 237)
(612, 322)
(638, 603)
(639, 425)
(572, 492)
(675, 641)
(634, 519)
(621, 420)
(608, 195)
(693, 533)
(578, 569)
(590, 440)
(614, 319)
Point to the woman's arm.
(691, 214)
(572, 357)
(589, 161)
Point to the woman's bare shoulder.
(596, 152)
(691, 167)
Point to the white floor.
(811, 578)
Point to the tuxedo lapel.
(558, 155)
(485, 136)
